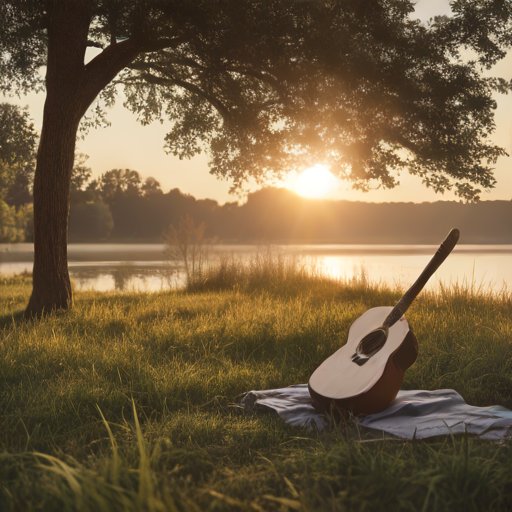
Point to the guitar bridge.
(356, 358)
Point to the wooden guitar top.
(338, 377)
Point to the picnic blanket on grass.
(412, 415)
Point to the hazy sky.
(127, 144)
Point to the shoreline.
(23, 252)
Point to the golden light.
(315, 182)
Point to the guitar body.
(339, 384)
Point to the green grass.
(126, 402)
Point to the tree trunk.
(51, 285)
(71, 87)
(64, 106)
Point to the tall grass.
(128, 402)
(267, 269)
(271, 271)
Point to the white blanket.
(412, 415)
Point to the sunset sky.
(127, 144)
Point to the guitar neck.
(442, 253)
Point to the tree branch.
(101, 70)
(184, 61)
(215, 102)
(162, 44)
(264, 77)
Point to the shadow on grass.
(19, 317)
(98, 298)
(12, 319)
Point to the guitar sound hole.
(372, 343)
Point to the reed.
(128, 402)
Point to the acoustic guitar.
(365, 375)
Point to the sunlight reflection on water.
(143, 268)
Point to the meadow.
(129, 401)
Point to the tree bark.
(63, 109)
(71, 87)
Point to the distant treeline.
(120, 206)
(281, 215)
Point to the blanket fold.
(413, 414)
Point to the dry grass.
(125, 403)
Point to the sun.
(315, 182)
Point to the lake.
(143, 267)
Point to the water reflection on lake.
(142, 267)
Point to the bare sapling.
(187, 245)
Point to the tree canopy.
(17, 158)
(265, 86)
(273, 85)
(18, 141)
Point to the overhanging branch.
(263, 77)
(101, 70)
(214, 101)
(161, 44)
